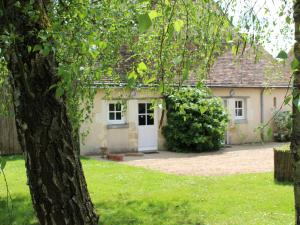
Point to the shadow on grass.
(284, 183)
(145, 212)
(121, 212)
(20, 213)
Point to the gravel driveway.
(237, 159)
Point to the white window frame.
(115, 121)
(243, 116)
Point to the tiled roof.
(249, 70)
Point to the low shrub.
(284, 148)
(283, 126)
(196, 121)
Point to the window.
(146, 114)
(115, 114)
(239, 109)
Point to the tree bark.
(295, 145)
(55, 176)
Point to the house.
(127, 121)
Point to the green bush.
(196, 121)
(283, 125)
(284, 148)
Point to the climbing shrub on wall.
(196, 121)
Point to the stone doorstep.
(134, 154)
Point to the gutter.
(244, 86)
(124, 84)
(262, 113)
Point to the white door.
(147, 127)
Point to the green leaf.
(153, 14)
(132, 75)
(2, 163)
(282, 55)
(294, 64)
(17, 4)
(171, 31)
(186, 70)
(270, 132)
(287, 100)
(177, 60)
(46, 50)
(141, 67)
(109, 71)
(37, 48)
(178, 25)
(297, 103)
(203, 109)
(151, 80)
(102, 45)
(59, 92)
(234, 49)
(52, 86)
(144, 22)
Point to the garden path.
(238, 159)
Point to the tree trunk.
(295, 145)
(55, 177)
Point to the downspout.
(262, 113)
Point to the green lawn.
(126, 195)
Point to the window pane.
(150, 120)
(142, 120)
(236, 104)
(118, 107)
(142, 108)
(111, 116)
(118, 116)
(149, 108)
(111, 107)
(240, 104)
(239, 112)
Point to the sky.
(277, 37)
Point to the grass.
(284, 148)
(125, 195)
